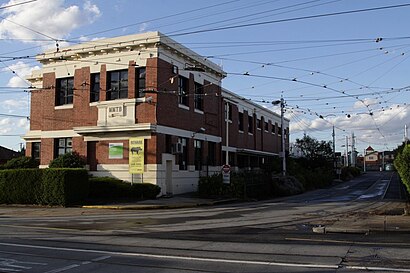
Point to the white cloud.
(23, 123)
(5, 121)
(363, 103)
(22, 70)
(143, 27)
(50, 18)
(15, 103)
(383, 127)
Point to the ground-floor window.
(183, 157)
(35, 150)
(63, 146)
(198, 154)
(211, 154)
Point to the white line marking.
(9, 270)
(372, 268)
(63, 268)
(266, 263)
(100, 258)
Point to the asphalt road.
(266, 236)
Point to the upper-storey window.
(199, 96)
(240, 122)
(250, 124)
(259, 124)
(65, 91)
(95, 87)
(183, 90)
(141, 81)
(228, 111)
(117, 84)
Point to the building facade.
(93, 97)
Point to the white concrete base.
(182, 181)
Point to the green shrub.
(209, 186)
(22, 162)
(110, 188)
(68, 160)
(64, 186)
(348, 173)
(286, 185)
(242, 185)
(107, 187)
(22, 186)
(144, 190)
(402, 165)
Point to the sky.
(337, 63)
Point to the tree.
(315, 149)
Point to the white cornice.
(114, 129)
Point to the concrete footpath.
(165, 202)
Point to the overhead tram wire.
(245, 16)
(30, 29)
(293, 19)
(252, 5)
(292, 10)
(159, 18)
(17, 4)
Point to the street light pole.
(227, 134)
(282, 123)
(334, 147)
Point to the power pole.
(334, 148)
(282, 124)
(227, 134)
(406, 138)
(353, 155)
(347, 151)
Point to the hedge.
(110, 188)
(22, 186)
(402, 164)
(43, 186)
(64, 186)
(21, 162)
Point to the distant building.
(375, 160)
(7, 154)
(93, 98)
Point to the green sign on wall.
(115, 150)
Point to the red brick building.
(93, 96)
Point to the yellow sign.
(136, 155)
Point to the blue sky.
(352, 69)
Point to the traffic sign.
(226, 174)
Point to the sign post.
(226, 174)
(136, 156)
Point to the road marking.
(9, 270)
(373, 268)
(100, 258)
(63, 268)
(171, 257)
